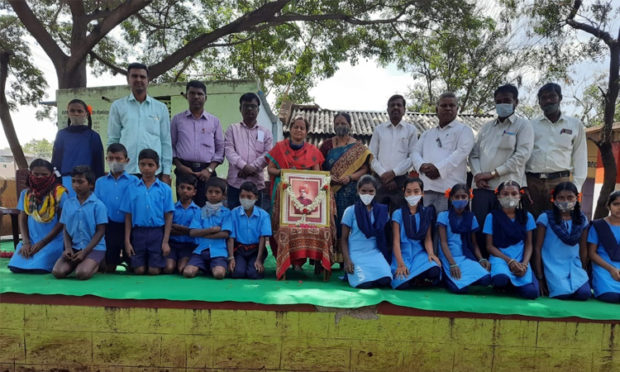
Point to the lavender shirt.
(247, 146)
(197, 140)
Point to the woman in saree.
(346, 159)
(292, 153)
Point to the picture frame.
(305, 198)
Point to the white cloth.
(392, 146)
(447, 149)
(504, 147)
(559, 146)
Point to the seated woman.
(293, 153)
(364, 245)
(40, 205)
(346, 159)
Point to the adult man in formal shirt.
(440, 155)
(138, 121)
(559, 150)
(501, 149)
(197, 140)
(247, 143)
(392, 144)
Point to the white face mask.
(509, 202)
(210, 209)
(366, 198)
(413, 200)
(504, 110)
(565, 206)
(77, 120)
(247, 203)
(116, 167)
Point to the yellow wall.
(41, 337)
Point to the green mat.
(299, 288)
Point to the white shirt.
(392, 146)
(559, 146)
(447, 149)
(503, 147)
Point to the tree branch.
(108, 64)
(597, 32)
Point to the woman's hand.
(432, 257)
(401, 272)
(455, 272)
(348, 267)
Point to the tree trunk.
(5, 115)
(75, 78)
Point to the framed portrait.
(304, 198)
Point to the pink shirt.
(197, 140)
(247, 146)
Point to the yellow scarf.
(47, 211)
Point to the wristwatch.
(493, 173)
(210, 170)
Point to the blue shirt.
(247, 230)
(141, 126)
(217, 246)
(81, 220)
(184, 217)
(78, 145)
(148, 206)
(111, 191)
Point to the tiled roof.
(364, 122)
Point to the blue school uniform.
(184, 217)
(471, 271)
(47, 256)
(221, 218)
(369, 264)
(148, 205)
(81, 221)
(248, 230)
(112, 191)
(562, 264)
(413, 253)
(515, 251)
(602, 280)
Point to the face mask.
(116, 167)
(247, 203)
(413, 200)
(504, 110)
(341, 130)
(565, 206)
(509, 202)
(366, 198)
(77, 120)
(210, 209)
(551, 108)
(459, 204)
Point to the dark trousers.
(392, 198)
(201, 187)
(114, 243)
(482, 204)
(540, 191)
(244, 264)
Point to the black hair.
(507, 88)
(117, 147)
(367, 179)
(302, 119)
(149, 154)
(249, 187)
(454, 189)
(520, 213)
(41, 163)
(249, 97)
(137, 66)
(216, 182)
(345, 115)
(188, 179)
(550, 87)
(576, 212)
(613, 196)
(395, 97)
(196, 84)
(86, 171)
(79, 101)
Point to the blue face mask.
(504, 110)
(459, 204)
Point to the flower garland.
(307, 209)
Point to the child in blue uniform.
(561, 247)
(41, 207)
(185, 211)
(251, 227)
(148, 211)
(84, 217)
(414, 260)
(509, 242)
(211, 230)
(460, 255)
(604, 249)
(364, 244)
(77, 144)
(111, 189)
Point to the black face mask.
(551, 108)
(341, 130)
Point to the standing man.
(559, 149)
(392, 145)
(247, 143)
(500, 152)
(440, 155)
(197, 140)
(138, 121)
